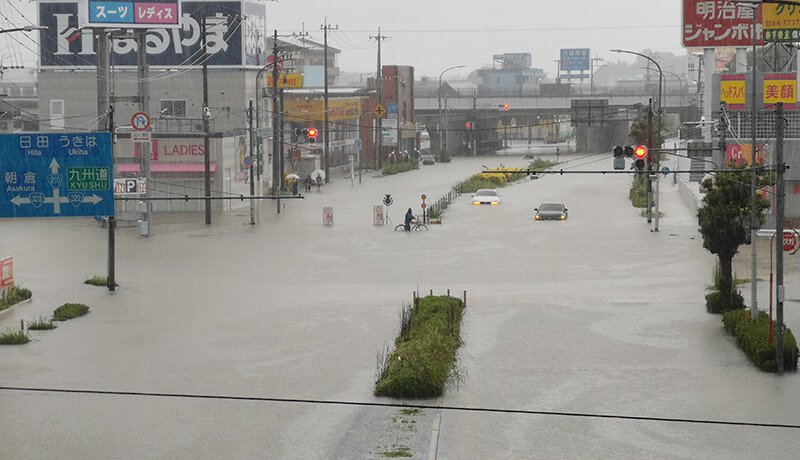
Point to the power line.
(406, 406)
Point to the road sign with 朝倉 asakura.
(781, 22)
(780, 87)
(56, 175)
(732, 91)
(717, 23)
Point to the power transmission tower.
(379, 88)
(326, 134)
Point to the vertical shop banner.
(733, 92)
(780, 87)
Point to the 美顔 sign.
(780, 87)
(56, 175)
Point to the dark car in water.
(551, 211)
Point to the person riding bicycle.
(409, 219)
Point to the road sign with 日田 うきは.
(56, 175)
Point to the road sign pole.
(111, 281)
(250, 168)
(144, 102)
(779, 214)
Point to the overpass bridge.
(599, 120)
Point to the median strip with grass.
(14, 294)
(424, 359)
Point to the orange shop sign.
(732, 91)
(780, 87)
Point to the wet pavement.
(594, 315)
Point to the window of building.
(57, 113)
(173, 108)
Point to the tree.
(725, 225)
(639, 129)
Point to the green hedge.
(424, 359)
(396, 168)
(638, 193)
(753, 339)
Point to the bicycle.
(416, 226)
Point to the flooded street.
(593, 315)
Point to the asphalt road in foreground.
(592, 316)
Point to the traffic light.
(629, 151)
(619, 160)
(504, 107)
(640, 156)
(311, 135)
(468, 125)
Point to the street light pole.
(439, 93)
(660, 72)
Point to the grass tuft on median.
(14, 337)
(69, 311)
(424, 359)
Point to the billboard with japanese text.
(781, 23)
(574, 59)
(732, 91)
(130, 13)
(780, 87)
(232, 40)
(717, 23)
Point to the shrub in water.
(14, 337)
(41, 324)
(753, 338)
(69, 311)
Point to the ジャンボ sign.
(717, 23)
(780, 87)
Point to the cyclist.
(409, 219)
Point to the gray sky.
(433, 35)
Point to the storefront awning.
(167, 168)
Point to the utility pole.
(251, 126)
(780, 196)
(103, 99)
(143, 70)
(325, 133)
(379, 87)
(649, 161)
(206, 121)
(754, 218)
(275, 147)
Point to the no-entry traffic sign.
(789, 241)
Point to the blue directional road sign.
(56, 175)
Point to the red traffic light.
(312, 132)
(468, 125)
(640, 152)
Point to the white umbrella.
(318, 173)
(292, 176)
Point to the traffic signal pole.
(649, 161)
